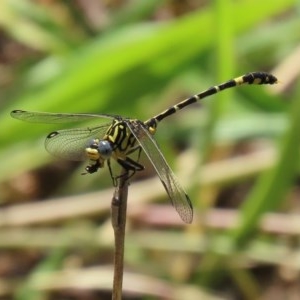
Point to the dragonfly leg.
(139, 148)
(130, 165)
(113, 178)
(92, 168)
(136, 162)
(139, 154)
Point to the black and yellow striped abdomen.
(250, 78)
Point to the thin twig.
(118, 219)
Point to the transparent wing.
(45, 117)
(179, 198)
(70, 144)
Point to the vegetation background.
(235, 153)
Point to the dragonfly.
(118, 137)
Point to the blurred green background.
(236, 153)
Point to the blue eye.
(105, 149)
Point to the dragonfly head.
(99, 149)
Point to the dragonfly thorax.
(121, 139)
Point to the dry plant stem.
(118, 217)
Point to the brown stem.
(118, 217)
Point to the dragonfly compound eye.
(105, 149)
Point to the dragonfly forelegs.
(128, 164)
(92, 168)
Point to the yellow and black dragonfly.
(119, 137)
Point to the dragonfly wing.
(70, 144)
(45, 117)
(179, 198)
